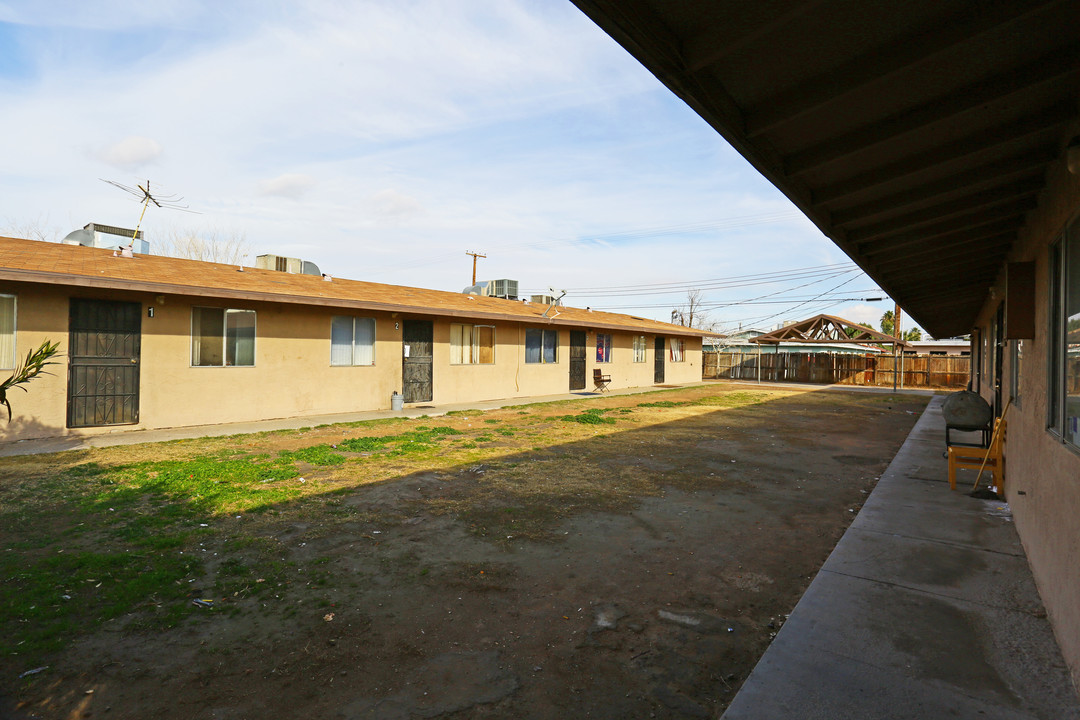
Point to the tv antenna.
(142, 192)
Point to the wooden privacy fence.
(929, 371)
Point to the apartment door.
(577, 360)
(658, 361)
(104, 343)
(416, 362)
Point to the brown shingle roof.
(75, 265)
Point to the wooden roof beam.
(1042, 121)
(943, 287)
(989, 175)
(960, 207)
(914, 48)
(950, 258)
(1010, 212)
(915, 256)
(704, 49)
(1062, 62)
(920, 243)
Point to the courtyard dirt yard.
(612, 557)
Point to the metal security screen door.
(658, 366)
(577, 360)
(416, 359)
(104, 339)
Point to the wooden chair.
(600, 380)
(991, 458)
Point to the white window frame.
(458, 350)
(1063, 369)
(8, 356)
(677, 350)
(640, 348)
(603, 347)
(545, 333)
(224, 336)
(356, 350)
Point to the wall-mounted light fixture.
(1072, 155)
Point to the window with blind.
(639, 348)
(7, 332)
(472, 344)
(352, 340)
(222, 337)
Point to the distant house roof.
(72, 265)
(826, 329)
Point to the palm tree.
(28, 369)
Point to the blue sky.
(383, 140)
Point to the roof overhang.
(916, 135)
(573, 317)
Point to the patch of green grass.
(505, 432)
(662, 404)
(314, 455)
(484, 438)
(733, 399)
(363, 444)
(49, 599)
(592, 416)
(492, 421)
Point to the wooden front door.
(658, 361)
(104, 339)
(417, 349)
(577, 360)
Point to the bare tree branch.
(209, 245)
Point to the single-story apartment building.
(150, 342)
(938, 145)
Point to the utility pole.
(896, 346)
(474, 256)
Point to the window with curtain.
(678, 346)
(352, 340)
(639, 348)
(472, 344)
(541, 346)
(222, 337)
(7, 332)
(603, 348)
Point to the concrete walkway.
(925, 609)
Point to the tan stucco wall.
(292, 375)
(1038, 465)
(511, 377)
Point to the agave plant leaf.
(28, 369)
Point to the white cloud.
(433, 127)
(395, 206)
(131, 153)
(290, 185)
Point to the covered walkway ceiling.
(915, 134)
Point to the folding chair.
(600, 381)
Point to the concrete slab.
(925, 609)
